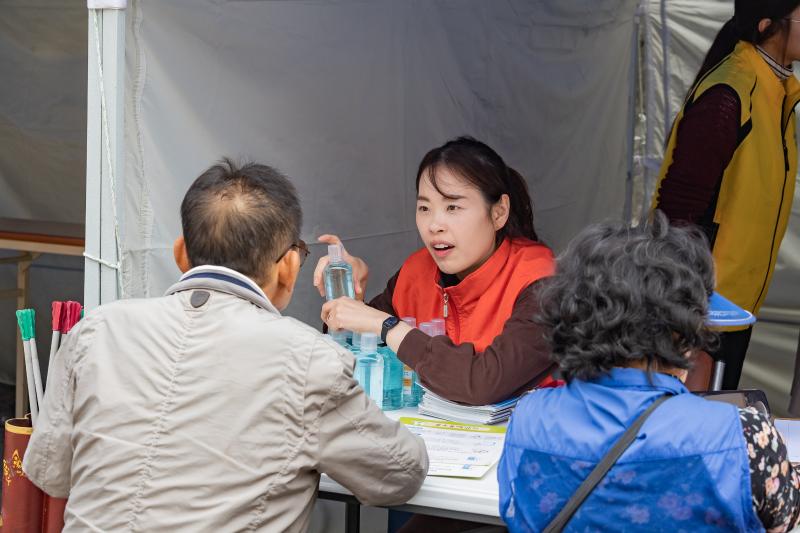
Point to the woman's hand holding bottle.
(360, 268)
(352, 315)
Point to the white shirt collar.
(227, 271)
(781, 71)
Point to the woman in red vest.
(478, 270)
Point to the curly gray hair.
(624, 294)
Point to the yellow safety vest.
(755, 196)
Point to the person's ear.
(763, 24)
(500, 212)
(286, 272)
(180, 254)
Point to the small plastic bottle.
(410, 399)
(428, 328)
(410, 320)
(438, 327)
(392, 379)
(340, 337)
(338, 275)
(369, 368)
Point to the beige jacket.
(206, 410)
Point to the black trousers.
(732, 350)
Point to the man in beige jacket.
(205, 409)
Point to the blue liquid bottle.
(412, 392)
(392, 379)
(369, 368)
(340, 337)
(338, 275)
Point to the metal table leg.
(719, 371)
(352, 509)
(352, 517)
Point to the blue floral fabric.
(636, 496)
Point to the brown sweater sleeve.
(383, 301)
(516, 360)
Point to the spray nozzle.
(335, 253)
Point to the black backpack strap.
(602, 468)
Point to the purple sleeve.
(707, 137)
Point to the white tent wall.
(42, 110)
(692, 25)
(346, 97)
(42, 148)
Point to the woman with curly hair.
(624, 312)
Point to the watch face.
(388, 324)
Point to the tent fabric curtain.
(346, 97)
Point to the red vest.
(478, 307)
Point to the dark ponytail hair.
(743, 26)
(484, 169)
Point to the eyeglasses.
(792, 20)
(302, 251)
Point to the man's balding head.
(244, 218)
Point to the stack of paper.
(458, 450)
(438, 407)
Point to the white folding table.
(464, 499)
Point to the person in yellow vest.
(731, 159)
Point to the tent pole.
(665, 38)
(105, 148)
(632, 89)
(649, 109)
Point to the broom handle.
(54, 343)
(37, 372)
(31, 384)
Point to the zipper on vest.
(451, 316)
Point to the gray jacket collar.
(225, 280)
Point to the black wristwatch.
(388, 324)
